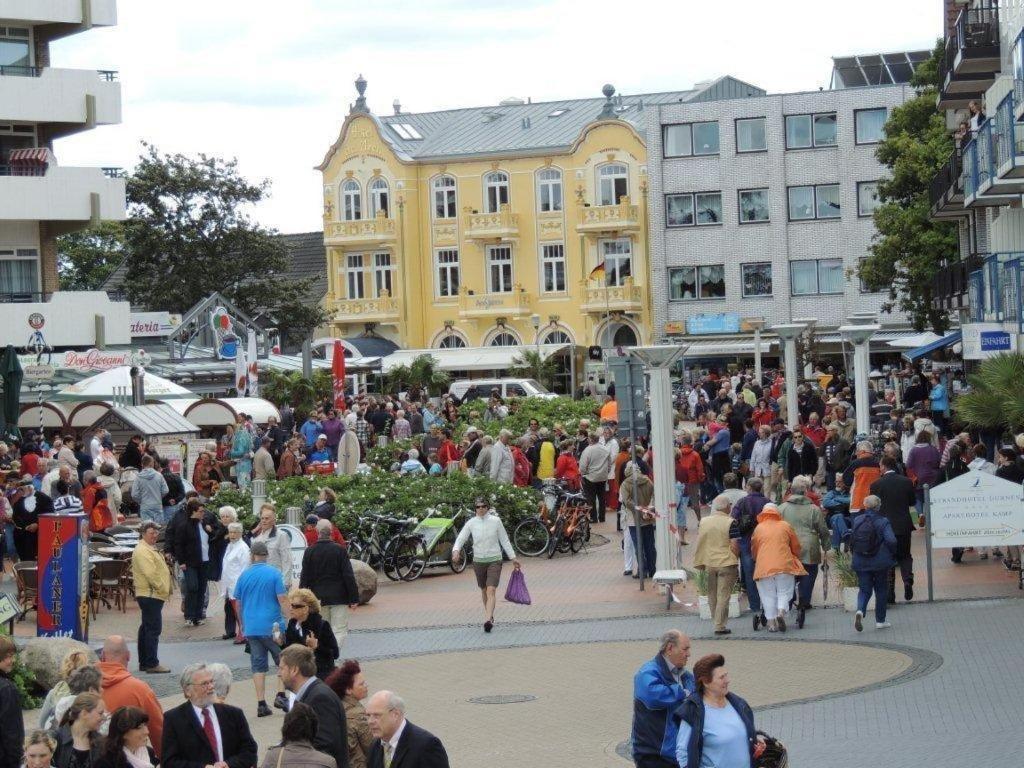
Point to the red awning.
(38, 157)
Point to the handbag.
(774, 754)
(516, 591)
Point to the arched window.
(504, 339)
(624, 337)
(612, 183)
(495, 191)
(549, 192)
(379, 198)
(452, 341)
(444, 198)
(557, 337)
(351, 200)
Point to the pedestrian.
(873, 544)
(776, 551)
(860, 474)
(222, 680)
(26, 508)
(502, 460)
(745, 512)
(121, 689)
(716, 726)
(594, 465)
(717, 554)
(199, 732)
(291, 460)
(955, 466)
(296, 750)
(127, 742)
(39, 748)
(327, 572)
(261, 595)
(896, 498)
(242, 453)
(72, 660)
(798, 456)
(489, 541)
(263, 460)
(307, 628)
(399, 743)
(79, 742)
(691, 461)
(195, 541)
(279, 544)
(567, 468)
(660, 687)
(922, 466)
(152, 580)
(297, 672)
(807, 519)
(236, 560)
(85, 679)
(349, 684)
(13, 731)
(148, 491)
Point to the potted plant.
(700, 581)
(846, 577)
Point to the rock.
(43, 655)
(366, 580)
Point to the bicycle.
(430, 545)
(570, 529)
(374, 549)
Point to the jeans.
(149, 631)
(747, 565)
(877, 582)
(156, 515)
(840, 526)
(647, 542)
(194, 589)
(806, 584)
(594, 493)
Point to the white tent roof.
(222, 411)
(915, 341)
(102, 386)
(467, 358)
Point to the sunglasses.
(481, 506)
(299, 606)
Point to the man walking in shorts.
(489, 540)
(261, 597)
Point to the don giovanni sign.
(977, 510)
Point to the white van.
(473, 389)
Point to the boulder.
(43, 655)
(366, 580)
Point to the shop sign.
(977, 509)
(984, 340)
(673, 327)
(38, 372)
(706, 324)
(83, 361)
(147, 324)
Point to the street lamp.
(860, 336)
(789, 332)
(756, 324)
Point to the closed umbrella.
(338, 375)
(10, 371)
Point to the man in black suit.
(327, 570)
(201, 734)
(400, 744)
(896, 493)
(297, 670)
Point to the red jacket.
(816, 434)
(448, 452)
(568, 469)
(691, 463)
(312, 537)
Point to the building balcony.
(947, 192)
(371, 233)
(63, 101)
(982, 187)
(627, 297)
(472, 305)
(503, 225)
(383, 309)
(1007, 140)
(972, 56)
(609, 219)
(68, 198)
(62, 17)
(951, 283)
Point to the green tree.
(531, 364)
(189, 234)
(908, 247)
(421, 373)
(85, 259)
(996, 399)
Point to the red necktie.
(211, 735)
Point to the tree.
(85, 259)
(531, 364)
(188, 234)
(996, 399)
(908, 247)
(421, 373)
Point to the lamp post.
(756, 324)
(789, 332)
(860, 336)
(659, 361)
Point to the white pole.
(664, 465)
(757, 356)
(860, 372)
(792, 408)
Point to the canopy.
(222, 411)
(927, 349)
(469, 358)
(147, 420)
(10, 371)
(918, 340)
(103, 386)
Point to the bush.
(24, 680)
(548, 412)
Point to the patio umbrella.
(338, 375)
(10, 371)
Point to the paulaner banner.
(63, 577)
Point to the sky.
(269, 83)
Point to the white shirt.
(393, 741)
(293, 697)
(204, 542)
(95, 449)
(489, 539)
(236, 560)
(216, 728)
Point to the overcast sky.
(271, 82)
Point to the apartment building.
(40, 103)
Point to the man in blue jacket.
(660, 687)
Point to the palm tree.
(397, 378)
(996, 399)
(531, 364)
(424, 373)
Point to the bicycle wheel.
(576, 540)
(387, 559)
(531, 537)
(555, 541)
(410, 558)
(464, 561)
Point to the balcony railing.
(19, 70)
(976, 34)
(515, 303)
(22, 170)
(614, 298)
(605, 218)
(114, 173)
(380, 309)
(108, 75)
(502, 225)
(362, 232)
(947, 181)
(23, 297)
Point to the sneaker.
(725, 631)
(281, 701)
(781, 621)
(157, 670)
(908, 592)
(858, 621)
(226, 636)
(882, 625)
(262, 710)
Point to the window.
(504, 339)
(448, 272)
(354, 275)
(19, 274)
(351, 199)
(553, 260)
(679, 210)
(15, 50)
(499, 269)
(750, 135)
(550, 192)
(753, 205)
(805, 131)
(444, 198)
(557, 337)
(379, 197)
(706, 282)
(756, 279)
(817, 202)
(869, 125)
(558, 112)
(382, 270)
(617, 260)
(406, 131)
(708, 206)
(452, 341)
(690, 139)
(495, 191)
(816, 276)
(867, 197)
(700, 208)
(613, 183)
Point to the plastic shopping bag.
(516, 591)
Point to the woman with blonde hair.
(39, 748)
(71, 661)
(307, 627)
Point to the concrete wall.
(63, 194)
(59, 96)
(69, 320)
(103, 12)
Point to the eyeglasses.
(299, 606)
(481, 506)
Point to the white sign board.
(146, 324)
(977, 509)
(298, 539)
(38, 372)
(977, 338)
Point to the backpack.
(864, 538)
(747, 521)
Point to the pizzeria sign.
(92, 359)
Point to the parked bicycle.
(562, 525)
(430, 546)
(379, 547)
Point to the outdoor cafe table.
(115, 551)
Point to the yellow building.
(480, 227)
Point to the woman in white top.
(489, 540)
(761, 453)
(236, 560)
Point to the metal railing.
(976, 295)
(20, 70)
(114, 173)
(1010, 288)
(22, 297)
(947, 177)
(969, 171)
(108, 75)
(22, 170)
(976, 28)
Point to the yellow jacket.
(546, 466)
(150, 571)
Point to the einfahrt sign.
(977, 510)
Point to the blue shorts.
(259, 648)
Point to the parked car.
(473, 389)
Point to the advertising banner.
(977, 510)
(63, 577)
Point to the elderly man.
(67, 476)
(152, 580)
(874, 546)
(717, 555)
(263, 461)
(327, 570)
(120, 689)
(502, 466)
(400, 744)
(660, 686)
(847, 426)
(200, 733)
(298, 675)
(595, 463)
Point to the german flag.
(598, 273)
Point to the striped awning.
(39, 157)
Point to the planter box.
(734, 606)
(850, 599)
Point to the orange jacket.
(775, 545)
(858, 476)
(120, 689)
(689, 461)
